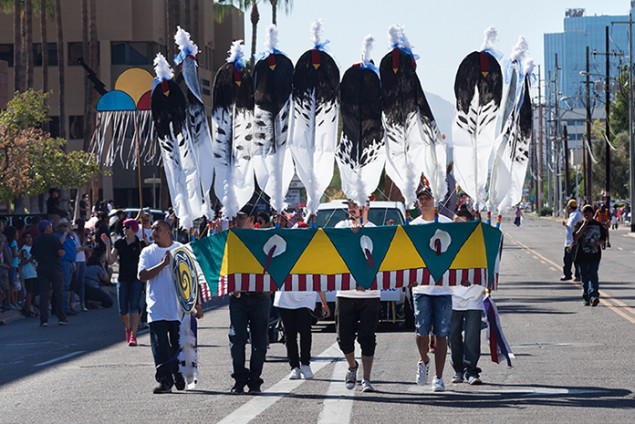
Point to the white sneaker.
(437, 385)
(473, 380)
(367, 387)
(295, 374)
(306, 371)
(458, 377)
(351, 377)
(422, 373)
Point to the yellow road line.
(618, 307)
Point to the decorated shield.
(185, 279)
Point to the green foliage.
(619, 107)
(26, 110)
(31, 161)
(546, 211)
(619, 163)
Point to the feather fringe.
(491, 36)
(162, 68)
(271, 38)
(367, 46)
(529, 66)
(519, 51)
(236, 53)
(185, 43)
(316, 31)
(188, 355)
(395, 33)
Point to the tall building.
(570, 46)
(130, 33)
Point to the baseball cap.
(43, 224)
(63, 221)
(587, 208)
(572, 203)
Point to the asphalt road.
(573, 364)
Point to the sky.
(442, 32)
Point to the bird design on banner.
(168, 113)
(361, 153)
(413, 142)
(512, 144)
(316, 81)
(478, 88)
(232, 132)
(199, 126)
(271, 157)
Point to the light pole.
(630, 109)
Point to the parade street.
(573, 364)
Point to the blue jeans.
(248, 310)
(67, 272)
(164, 339)
(590, 282)
(465, 350)
(128, 296)
(433, 313)
(80, 273)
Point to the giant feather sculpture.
(361, 152)
(199, 126)
(413, 141)
(232, 132)
(316, 81)
(478, 88)
(512, 154)
(168, 113)
(271, 157)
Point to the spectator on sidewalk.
(53, 209)
(29, 274)
(48, 250)
(84, 208)
(5, 266)
(15, 286)
(65, 236)
(96, 275)
(82, 248)
(145, 226)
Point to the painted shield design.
(185, 279)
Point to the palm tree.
(60, 65)
(223, 7)
(28, 42)
(45, 46)
(275, 4)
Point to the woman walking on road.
(129, 287)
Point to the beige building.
(130, 33)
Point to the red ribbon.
(437, 246)
(369, 257)
(268, 261)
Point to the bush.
(546, 211)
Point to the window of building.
(75, 51)
(129, 53)
(76, 127)
(54, 126)
(6, 53)
(37, 54)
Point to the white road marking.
(61, 358)
(339, 400)
(259, 404)
(619, 248)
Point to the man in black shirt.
(53, 205)
(589, 235)
(48, 250)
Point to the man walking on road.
(569, 247)
(433, 307)
(589, 235)
(163, 309)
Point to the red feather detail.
(315, 58)
(484, 64)
(395, 60)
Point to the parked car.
(396, 303)
(157, 214)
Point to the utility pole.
(588, 178)
(630, 110)
(558, 147)
(549, 158)
(565, 138)
(607, 89)
(539, 195)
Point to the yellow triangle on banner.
(472, 253)
(320, 257)
(237, 259)
(401, 254)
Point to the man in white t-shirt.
(433, 307)
(357, 314)
(467, 310)
(162, 307)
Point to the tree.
(31, 161)
(60, 65)
(275, 4)
(45, 46)
(28, 42)
(619, 162)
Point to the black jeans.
(164, 339)
(357, 316)
(568, 262)
(47, 279)
(297, 321)
(466, 351)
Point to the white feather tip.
(490, 37)
(520, 49)
(316, 31)
(367, 46)
(271, 39)
(529, 67)
(395, 33)
(162, 68)
(185, 43)
(236, 51)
